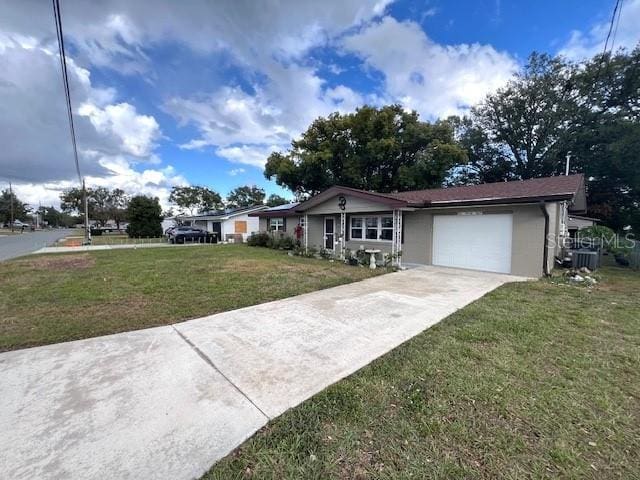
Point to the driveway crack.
(204, 357)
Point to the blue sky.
(200, 93)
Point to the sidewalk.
(90, 248)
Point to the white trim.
(324, 236)
(363, 229)
(306, 236)
(270, 227)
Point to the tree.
(20, 209)
(528, 118)
(103, 204)
(605, 142)
(246, 196)
(383, 149)
(274, 200)
(117, 203)
(486, 161)
(200, 199)
(145, 217)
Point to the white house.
(230, 225)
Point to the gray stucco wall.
(527, 240)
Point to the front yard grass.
(54, 298)
(535, 380)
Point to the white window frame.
(276, 224)
(352, 228)
(363, 228)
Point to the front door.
(329, 233)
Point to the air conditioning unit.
(585, 258)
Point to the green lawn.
(54, 298)
(535, 380)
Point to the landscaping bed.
(534, 380)
(55, 298)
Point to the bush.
(145, 217)
(258, 239)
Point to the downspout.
(545, 251)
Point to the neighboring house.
(497, 227)
(578, 222)
(230, 225)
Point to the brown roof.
(563, 187)
(558, 187)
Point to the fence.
(634, 257)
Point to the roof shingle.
(515, 190)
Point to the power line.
(611, 24)
(65, 82)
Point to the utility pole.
(11, 202)
(85, 204)
(566, 171)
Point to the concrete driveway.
(168, 402)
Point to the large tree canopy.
(20, 209)
(195, 199)
(383, 149)
(554, 108)
(103, 204)
(245, 196)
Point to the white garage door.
(478, 242)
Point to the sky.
(198, 92)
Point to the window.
(356, 227)
(386, 228)
(240, 226)
(372, 228)
(276, 224)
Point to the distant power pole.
(11, 202)
(85, 204)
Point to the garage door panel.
(478, 242)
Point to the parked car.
(191, 234)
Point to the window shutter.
(402, 231)
(347, 227)
(284, 224)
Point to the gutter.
(545, 251)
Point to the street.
(12, 246)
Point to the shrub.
(287, 243)
(145, 217)
(260, 239)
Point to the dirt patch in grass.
(80, 261)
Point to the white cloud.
(34, 133)
(582, 45)
(236, 171)
(120, 174)
(137, 133)
(253, 155)
(244, 128)
(117, 32)
(436, 80)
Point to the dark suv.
(191, 235)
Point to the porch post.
(306, 233)
(343, 228)
(396, 243)
(399, 240)
(393, 236)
